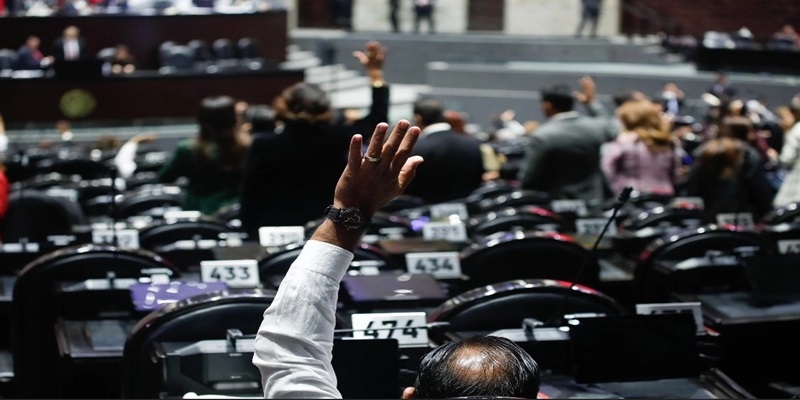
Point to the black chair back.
(526, 255)
(34, 215)
(34, 310)
(150, 201)
(524, 218)
(650, 280)
(200, 50)
(8, 58)
(247, 48)
(178, 58)
(787, 214)
(223, 49)
(514, 199)
(274, 265)
(204, 317)
(505, 304)
(166, 233)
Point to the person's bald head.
(477, 366)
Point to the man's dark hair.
(478, 366)
(560, 96)
(430, 110)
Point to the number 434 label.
(236, 273)
(442, 265)
(407, 327)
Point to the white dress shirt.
(293, 348)
(125, 160)
(3, 144)
(433, 128)
(71, 49)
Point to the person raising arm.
(293, 347)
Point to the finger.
(396, 137)
(408, 171)
(362, 58)
(406, 146)
(376, 142)
(354, 155)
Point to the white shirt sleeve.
(3, 144)
(125, 159)
(293, 348)
(791, 146)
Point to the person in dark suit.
(70, 46)
(562, 157)
(453, 165)
(29, 57)
(287, 174)
(423, 10)
(590, 14)
(394, 7)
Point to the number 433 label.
(236, 273)
(407, 327)
(442, 265)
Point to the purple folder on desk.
(149, 296)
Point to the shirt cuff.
(325, 258)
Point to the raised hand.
(383, 172)
(373, 56)
(588, 90)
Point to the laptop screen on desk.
(393, 287)
(634, 348)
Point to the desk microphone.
(621, 200)
(24, 162)
(112, 208)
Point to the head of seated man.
(477, 366)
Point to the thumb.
(408, 171)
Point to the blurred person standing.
(424, 10)
(562, 157)
(70, 46)
(284, 188)
(590, 14)
(454, 162)
(789, 191)
(644, 156)
(394, 19)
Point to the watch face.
(352, 218)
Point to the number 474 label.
(409, 328)
(236, 273)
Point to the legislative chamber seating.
(44, 295)
(187, 242)
(697, 260)
(506, 304)
(514, 218)
(146, 357)
(274, 263)
(128, 320)
(527, 255)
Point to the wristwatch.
(352, 218)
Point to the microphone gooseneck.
(623, 198)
